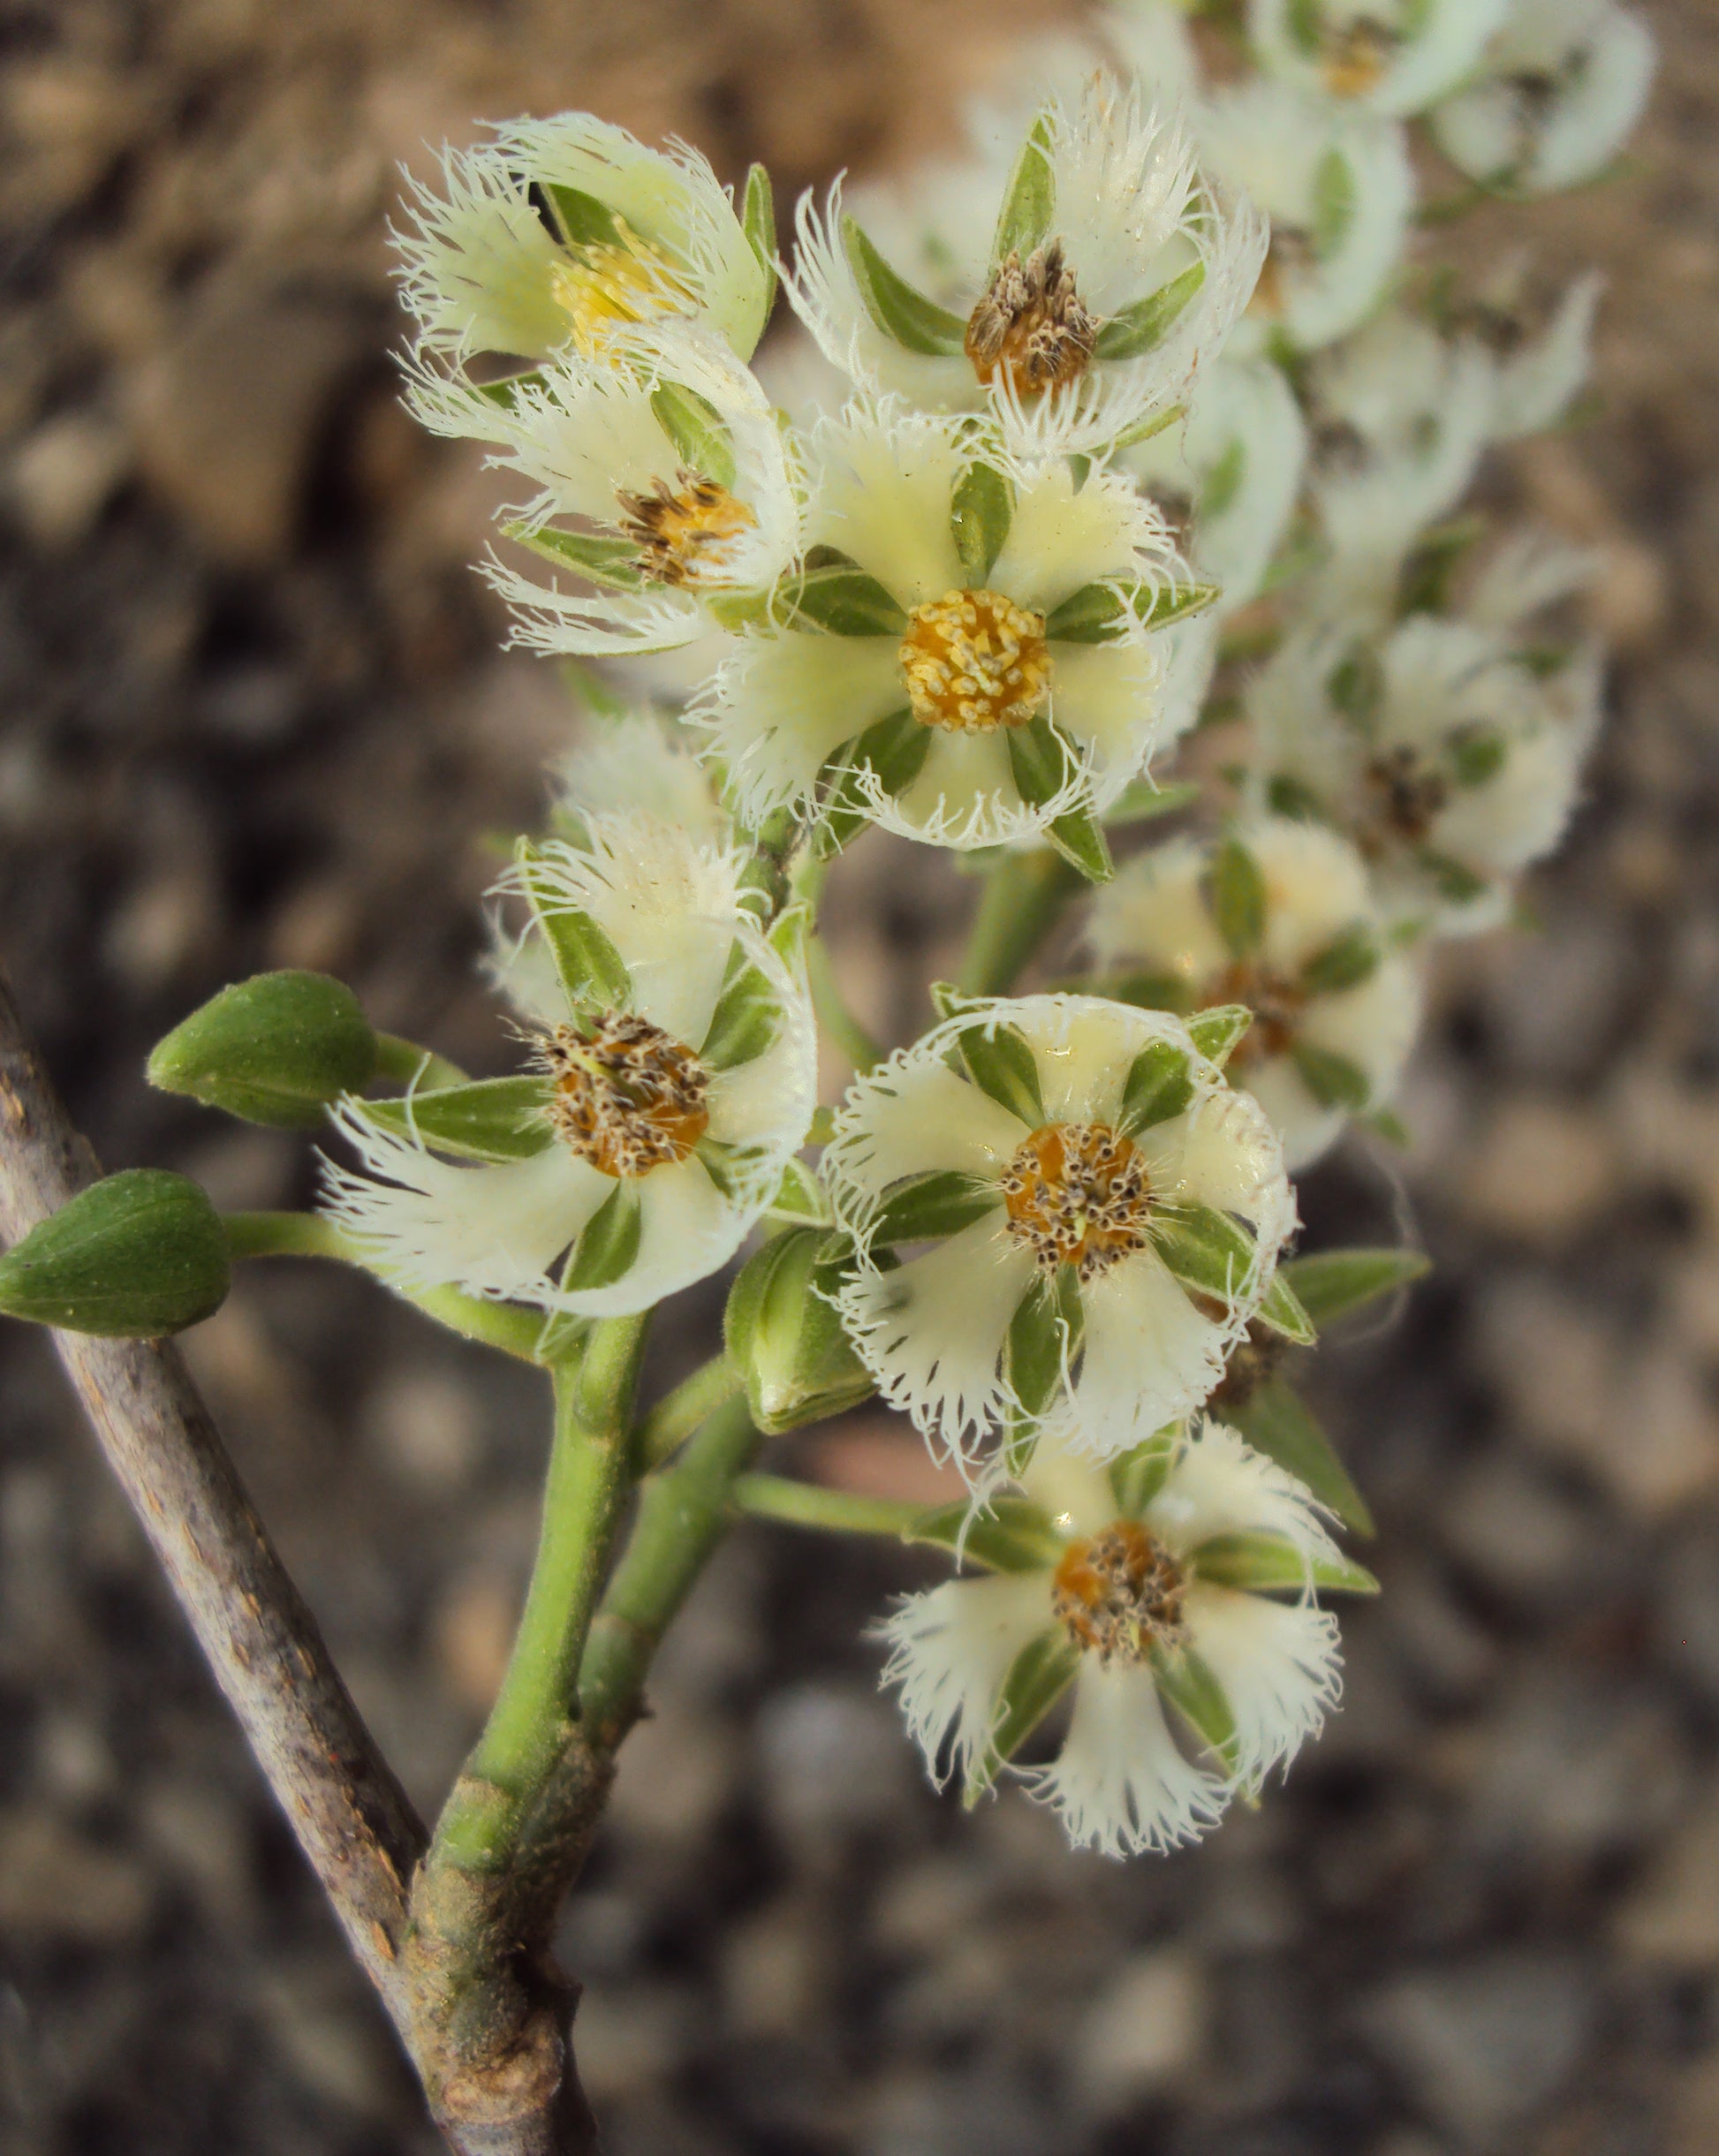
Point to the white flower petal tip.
(1182, 1691)
(1336, 1004)
(1142, 263)
(674, 1080)
(1087, 1217)
(641, 763)
(628, 235)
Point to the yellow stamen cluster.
(625, 1096)
(1356, 56)
(1031, 325)
(602, 285)
(679, 529)
(1120, 1593)
(1076, 1193)
(974, 662)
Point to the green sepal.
(980, 511)
(895, 749)
(1141, 802)
(747, 1018)
(1206, 1250)
(1012, 1534)
(592, 972)
(1335, 202)
(786, 1339)
(1191, 1685)
(896, 307)
(582, 220)
(1078, 836)
(1137, 1476)
(1332, 1080)
(1159, 1085)
(1452, 879)
(490, 1119)
(1259, 1563)
(1356, 686)
(1332, 1283)
(1281, 1312)
(842, 600)
(693, 424)
(1301, 20)
(758, 223)
(1476, 754)
(1216, 1033)
(1235, 898)
(1001, 1064)
(1134, 330)
(1042, 1342)
(1029, 200)
(939, 1202)
(1037, 1679)
(504, 394)
(1385, 1123)
(1151, 992)
(1346, 962)
(1148, 424)
(599, 558)
(136, 1255)
(1101, 613)
(274, 1049)
(1276, 1421)
(1291, 797)
(609, 1241)
(800, 1199)
(1221, 482)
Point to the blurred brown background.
(254, 716)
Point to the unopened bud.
(786, 1340)
(136, 1255)
(275, 1049)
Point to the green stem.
(683, 1511)
(404, 1063)
(833, 1014)
(809, 1504)
(678, 1414)
(507, 1326)
(1019, 905)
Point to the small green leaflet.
(1140, 801)
(1137, 329)
(980, 511)
(1477, 753)
(1335, 202)
(1137, 1477)
(1332, 1283)
(1235, 898)
(1222, 483)
(901, 311)
(1159, 1086)
(1258, 1563)
(1281, 1312)
(939, 1202)
(1191, 1685)
(1000, 1063)
(894, 749)
(491, 1119)
(844, 600)
(592, 971)
(693, 425)
(609, 1244)
(1216, 1031)
(1453, 881)
(800, 1199)
(748, 1016)
(1332, 1080)
(1345, 962)
(1098, 613)
(1356, 686)
(758, 223)
(1038, 1677)
(1207, 1250)
(1029, 200)
(1276, 1421)
(1044, 1340)
(581, 219)
(598, 558)
(1011, 1535)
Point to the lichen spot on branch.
(682, 530)
(624, 1095)
(974, 662)
(1031, 325)
(1076, 1193)
(1120, 1594)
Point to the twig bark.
(351, 1819)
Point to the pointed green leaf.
(897, 308)
(895, 750)
(1335, 202)
(941, 1202)
(1332, 1283)
(1043, 1341)
(1454, 881)
(1100, 613)
(581, 219)
(1159, 1086)
(1029, 200)
(747, 1018)
(1148, 424)
(609, 1244)
(1037, 1679)
(491, 1119)
(505, 393)
(1220, 483)
(758, 223)
(785, 1338)
(1356, 688)
(696, 427)
(1011, 1535)
(1236, 898)
(1207, 1250)
(1135, 330)
(844, 600)
(1345, 963)
(1217, 1032)
(1390, 1127)
(800, 1199)
(599, 558)
(1332, 1080)
(1259, 1563)
(1291, 797)
(1141, 802)
(591, 970)
(1281, 1312)
(1078, 836)
(1301, 20)
(999, 1062)
(1150, 992)
(1276, 1421)
(275, 1049)
(981, 511)
(1477, 753)
(1137, 1477)
(136, 1255)
(1191, 1685)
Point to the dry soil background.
(252, 716)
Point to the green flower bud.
(136, 1255)
(786, 1339)
(274, 1049)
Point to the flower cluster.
(1133, 417)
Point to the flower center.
(1276, 1005)
(1032, 324)
(1076, 1193)
(676, 528)
(627, 1097)
(1356, 56)
(606, 281)
(974, 662)
(1407, 794)
(1119, 1594)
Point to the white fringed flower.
(639, 763)
(976, 657)
(673, 1080)
(1114, 270)
(1538, 376)
(1234, 470)
(1103, 1214)
(1557, 94)
(1395, 56)
(633, 235)
(661, 480)
(1280, 918)
(1449, 753)
(1339, 191)
(1139, 1591)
